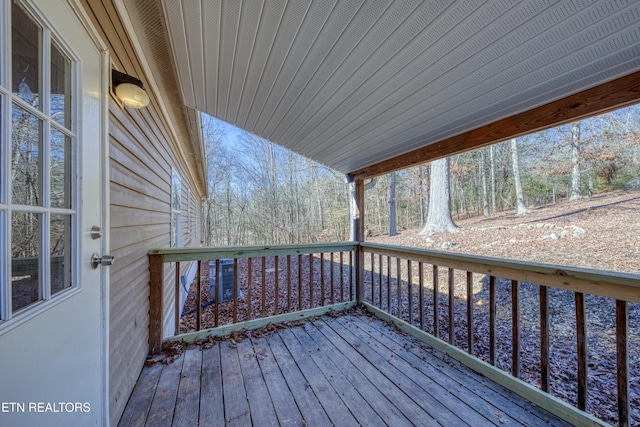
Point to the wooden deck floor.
(345, 371)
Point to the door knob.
(105, 260)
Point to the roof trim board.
(600, 99)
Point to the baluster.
(249, 286)
(322, 280)
(470, 312)
(264, 294)
(622, 357)
(436, 314)
(380, 279)
(544, 338)
(277, 289)
(216, 289)
(492, 320)
(199, 298)
(177, 299)
(388, 284)
(452, 323)
(235, 290)
(582, 351)
(515, 328)
(288, 283)
(421, 292)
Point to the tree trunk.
(439, 215)
(521, 208)
(483, 178)
(492, 160)
(392, 204)
(576, 190)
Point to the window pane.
(60, 253)
(60, 170)
(25, 264)
(175, 192)
(60, 87)
(25, 56)
(25, 158)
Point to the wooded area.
(260, 193)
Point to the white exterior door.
(53, 343)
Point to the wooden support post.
(176, 303)
(357, 216)
(622, 320)
(156, 302)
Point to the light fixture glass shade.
(132, 96)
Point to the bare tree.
(576, 184)
(483, 179)
(392, 204)
(521, 208)
(439, 215)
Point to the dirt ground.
(601, 233)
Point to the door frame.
(105, 187)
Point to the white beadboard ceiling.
(350, 83)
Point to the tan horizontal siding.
(142, 155)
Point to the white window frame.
(176, 205)
(8, 318)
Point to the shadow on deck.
(343, 371)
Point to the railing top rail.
(211, 253)
(613, 284)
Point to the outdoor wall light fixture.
(129, 90)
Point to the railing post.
(357, 218)
(156, 302)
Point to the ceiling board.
(352, 83)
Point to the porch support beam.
(357, 218)
(597, 100)
(156, 302)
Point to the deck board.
(349, 370)
(211, 396)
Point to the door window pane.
(60, 260)
(25, 56)
(60, 87)
(25, 260)
(60, 164)
(26, 136)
